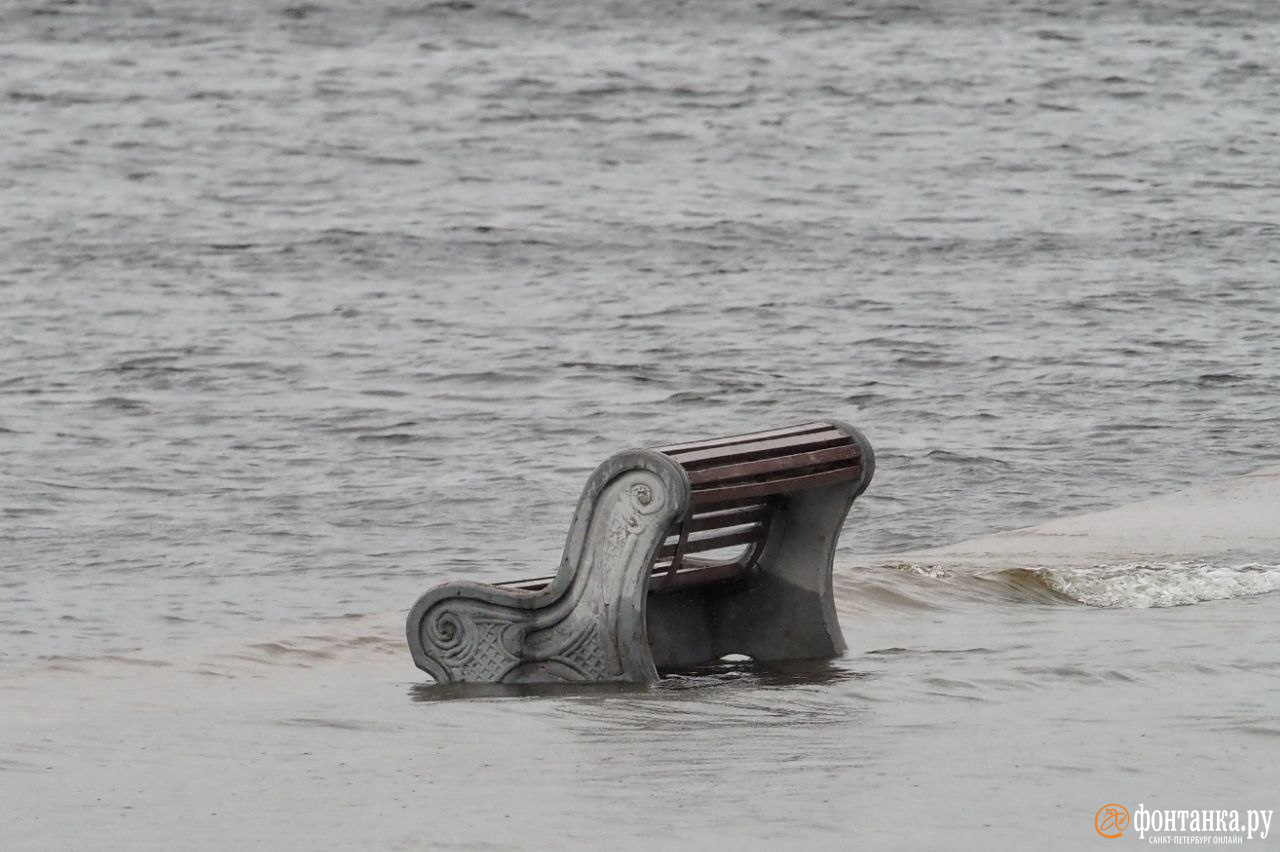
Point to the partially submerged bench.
(676, 556)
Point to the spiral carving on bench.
(465, 632)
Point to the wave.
(1138, 585)
(1146, 585)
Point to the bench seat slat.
(808, 442)
(730, 440)
(750, 535)
(729, 517)
(689, 574)
(697, 511)
(761, 467)
(694, 575)
(530, 585)
(708, 496)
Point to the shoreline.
(1233, 520)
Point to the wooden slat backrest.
(737, 482)
(750, 472)
(746, 437)
(754, 450)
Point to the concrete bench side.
(589, 624)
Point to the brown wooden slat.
(777, 464)
(526, 585)
(732, 517)
(708, 443)
(776, 486)
(737, 514)
(695, 575)
(726, 504)
(750, 535)
(662, 580)
(759, 449)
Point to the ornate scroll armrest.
(588, 624)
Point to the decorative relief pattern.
(586, 656)
(468, 642)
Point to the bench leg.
(786, 610)
(589, 623)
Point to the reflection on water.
(455, 691)
(724, 675)
(761, 674)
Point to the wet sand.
(966, 715)
(1236, 520)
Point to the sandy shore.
(1236, 520)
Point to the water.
(306, 307)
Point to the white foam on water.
(1131, 585)
(1145, 585)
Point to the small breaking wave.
(1163, 584)
(1137, 585)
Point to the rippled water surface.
(305, 306)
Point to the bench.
(676, 556)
